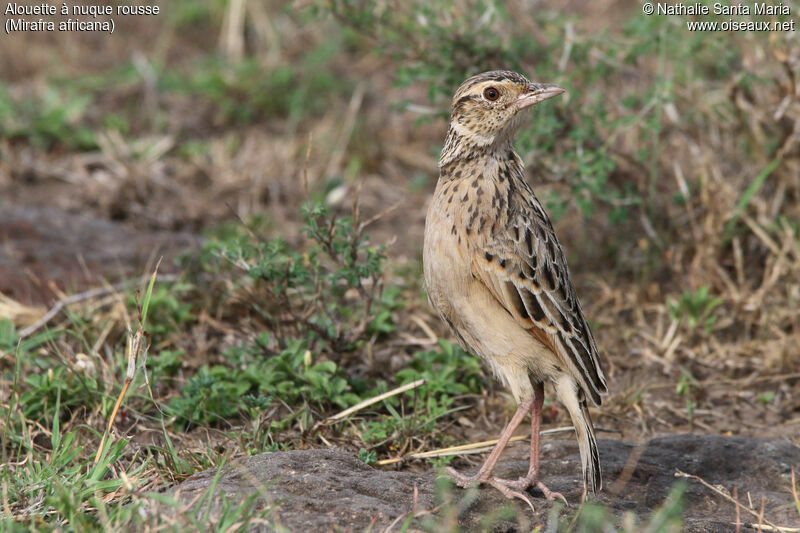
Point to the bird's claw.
(508, 488)
(509, 492)
(524, 483)
(551, 495)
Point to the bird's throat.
(461, 146)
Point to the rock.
(330, 490)
(319, 489)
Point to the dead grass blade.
(137, 344)
(468, 449)
(376, 399)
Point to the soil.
(45, 249)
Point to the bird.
(497, 275)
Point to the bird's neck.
(460, 149)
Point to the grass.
(669, 169)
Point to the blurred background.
(280, 156)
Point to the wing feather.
(524, 268)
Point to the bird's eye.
(491, 94)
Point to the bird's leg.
(532, 479)
(484, 475)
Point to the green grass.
(696, 308)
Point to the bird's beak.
(536, 93)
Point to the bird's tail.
(575, 402)
(590, 456)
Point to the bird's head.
(487, 108)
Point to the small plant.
(440, 462)
(42, 390)
(291, 376)
(367, 456)
(169, 312)
(684, 389)
(766, 397)
(58, 482)
(697, 308)
(329, 292)
(449, 371)
(165, 363)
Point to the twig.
(376, 399)
(679, 473)
(380, 215)
(764, 527)
(87, 295)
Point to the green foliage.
(440, 462)
(51, 380)
(245, 91)
(59, 484)
(169, 309)
(229, 514)
(696, 308)
(41, 391)
(449, 371)
(766, 397)
(57, 116)
(165, 363)
(328, 292)
(291, 376)
(368, 457)
(393, 429)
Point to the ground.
(280, 160)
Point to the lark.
(496, 274)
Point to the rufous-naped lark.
(496, 274)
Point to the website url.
(738, 25)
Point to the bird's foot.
(507, 488)
(526, 482)
(549, 494)
(463, 480)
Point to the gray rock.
(330, 490)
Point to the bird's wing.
(524, 267)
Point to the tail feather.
(592, 475)
(575, 402)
